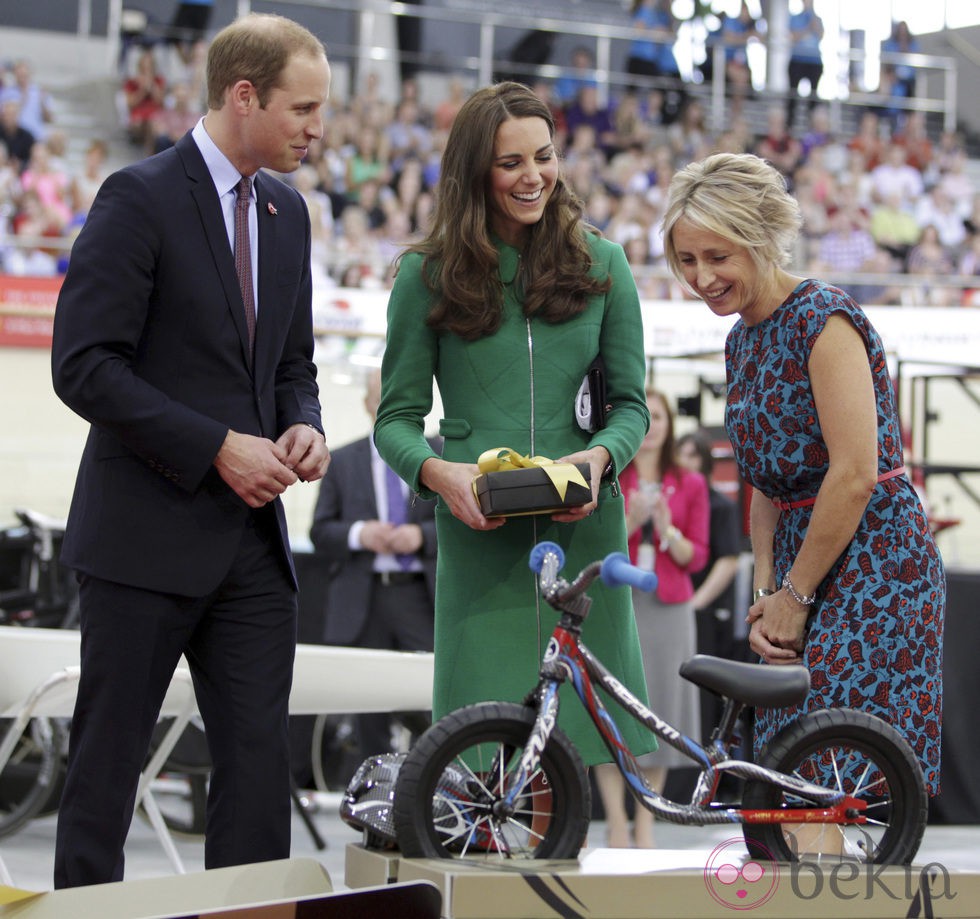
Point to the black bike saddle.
(760, 685)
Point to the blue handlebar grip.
(617, 571)
(540, 551)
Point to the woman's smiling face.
(720, 272)
(522, 178)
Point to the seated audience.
(17, 140)
(893, 227)
(144, 94)
(180, 112)
(894, 176)
(581, 72)
(846, 248)
(778, 146)
(35, 102)
(587, 110)
(928, 258)
(87, 182)
(51, 185)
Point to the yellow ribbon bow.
(503, 459)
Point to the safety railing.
(924, 66)
(900, 289)
(480, 56)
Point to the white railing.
(489, 22)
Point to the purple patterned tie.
(243, 257)
(397, 512)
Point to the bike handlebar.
(539, 555)
(617, 571)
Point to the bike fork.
(537, 740)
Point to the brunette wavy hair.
(460, 261)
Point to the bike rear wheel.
(181, 788)
(861, 755)
(182, 799)
(450, 782)
(30, 778)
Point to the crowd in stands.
(888, 199)
(40, 199)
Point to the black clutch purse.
(590, 400)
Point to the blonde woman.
(848, 579)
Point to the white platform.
(40, 669)
(326, 679)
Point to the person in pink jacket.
(667, 514)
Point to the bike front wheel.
(448, 790)
(856, 753)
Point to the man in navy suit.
(382, 571)
(198, 424)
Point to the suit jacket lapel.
(364, 477)
(209, 208)
(268, 235)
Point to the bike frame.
(567, 659)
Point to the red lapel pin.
(272, 209)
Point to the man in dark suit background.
(200, 419)
(382, 572)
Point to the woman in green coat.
(505, 304)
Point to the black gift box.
(528, 491)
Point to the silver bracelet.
(802, 599)
(759, 593)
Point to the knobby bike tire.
(446, 790)
(30, 777)
(857, 753)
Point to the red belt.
(807, 502)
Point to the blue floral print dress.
(874, 639)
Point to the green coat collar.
(508, 263)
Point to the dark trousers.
(239, 642)
(811, 71)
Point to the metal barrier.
(377, 44)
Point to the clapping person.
(667, 521)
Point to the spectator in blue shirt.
(735, 33)
(805, 61)
(654, 56)
(901, 41)
(34, 101)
